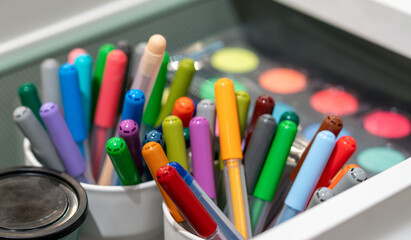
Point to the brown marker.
(264, 104)
(331, 123)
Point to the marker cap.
(243, 103)
(73, 54)
(83, 64)
(184, 109)
(128, 130)
(154, 136)
(50, 81)
(110, 91)
(30, 98)
(73, 108)
(123, 163)
(174, 139)
(133, 105)
(226, 105)
(181, 171)
(292, 116)
(103, 51)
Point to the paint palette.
(380, 127)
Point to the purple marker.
(63, 141)
(128, 130)
(203, 170)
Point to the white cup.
(117, 212)
(172, 230)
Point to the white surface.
(115, 212)
(384, 22)
(173, 231)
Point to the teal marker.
(272, 170)
(83, 64)
(292, 116)
(30, 98)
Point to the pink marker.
(107, 106)
(202, 157)
(73, 54)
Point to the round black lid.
(39, 203)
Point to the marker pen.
(331, 123)
(74, 53)
(30, 98)
(123, 163)
(107, 105)
(206, 109)
(125, 46)
(351, 178)
(184, 109)
(341, 174)
(155, 158)
(133, 105)
(196, 215)
(202, 157)
(257, 150)
(178, 88)
(243, 103)
(225, 226)
(83, 64)
(154, 136)
(306, 180)
(271, 172)
(98, 74)
(149, 65)
(128, 130)
(186, 133)
(291, 116)
(50, 81)
(174, 140)
(264, 104)
(230, 144)
(135, 60)
(73, 108)
(41, 144)
(65, 145)
(154, 103)
(343, 150)
(320, 195)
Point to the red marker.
(264, 104)
(343, 150)
(189, 206)
(184, 109)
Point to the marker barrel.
(286, 213)
(174, 140)
(30, 98)
(206, 109)
(353, 177)
(50, 81)
(83, 64)
(243, 103)
(135, 60)
(128, 130)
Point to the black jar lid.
(39, 203)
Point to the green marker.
(243, 102)
(292, 116)
(174, 140)
(186, 132)
(178, 88)
(30, 98)
(122, 161)
(273, 168)
(154, 103)
(98, 74)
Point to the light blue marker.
(224, 225)
(72, 104)
(133, 105)
(307, 178)
(83, 64)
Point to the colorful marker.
(107, 105)
(184, 109)
(178, 88)
(320, 195)
(230, 144)
(196, 215)
(30, 98)
(135, 60)
(133, 105)
(202, 157)
(73, 54)
(292, 116)
(65, 145)
(272, 170)
(50, 81)
(351, 178)
(123, 163)
(307, 178)
(174, 140)
(243, 103)
(154, 136)
(264, 104)
(83, 64)
(206, 109)
(155, 158)
(128, 130)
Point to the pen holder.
(172, 230)
(116, 212)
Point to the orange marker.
(231, 154)
(341, 174)
(156, 158)
(184, 109)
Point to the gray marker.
(50, 81)
(257, 149)
(320, 195)
(135, 60)
(353, 177)
(206, 109)
(41, 144)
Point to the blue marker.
(133, 106)
(73, 108)
(83, 64)
(225, 226)
(154, 136)
(307, 178)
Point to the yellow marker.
(230, 144)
